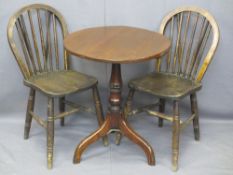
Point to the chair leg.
(175, 135)
(62, 109)
(194, 110)
(50, 132)
(128, 106)
(127, 109)
(161, 109)
(99, 111)
(30, 107)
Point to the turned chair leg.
(30, 107)
(194, 110)
(62, 109)
(175, 135)
(127, 109)
(161, 110)
(99, 111)
(128, 105)
(50, 132)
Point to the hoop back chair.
(35, 35)
(194, 35)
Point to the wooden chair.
(179, 73)
(35, 35)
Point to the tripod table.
(116, 45)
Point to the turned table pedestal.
(116, 45)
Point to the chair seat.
(60, 83)
(165, 85)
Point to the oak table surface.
(116, 45)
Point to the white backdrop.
(215, 98)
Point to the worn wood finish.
(186, 122)
(44, 64)
(128, 105)
(175, 135)
(30, 107)
(116, 44)
(165, 85)
(144, 108)
(118, 138)
(194, 35)
(194, 110)
(160, 115)
(50, 132)
(61, 83)
(80, 107)
(191, 38)
(39, 120)
(28, 20)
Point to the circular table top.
(116, 44)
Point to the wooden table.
(116, 45)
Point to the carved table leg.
(99, 133)
(137, 139)
(115, 120)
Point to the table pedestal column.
(115, 120)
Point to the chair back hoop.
(189, 29)
(35, 35)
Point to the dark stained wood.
(62, 107)
(165, 85)
(115, 120)
(194, 35)
(102, 131)
(61, 83)
(137, 139)
(161, 110)
(116, 44)
(43, 68)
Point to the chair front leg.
(62, 109)
(99, 111)
(161, 109)
(50, 132)
(175, 135)
(30, 108)
(194, 110)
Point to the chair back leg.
(50, 132)
(128, 105)
(30, 108)
(62, 109)
(161, 110)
